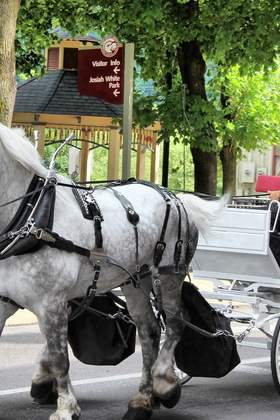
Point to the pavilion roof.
(57, 93)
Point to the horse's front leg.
(141, 405)
(6, 310)
(53, 322)
(43, 388)
(165, 382)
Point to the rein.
(60, 184)
(23, 196)
(63, 184)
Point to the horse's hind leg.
(165, 382)
(53, 324)
(141, 405)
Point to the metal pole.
(127, 108)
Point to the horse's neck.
(14, 183)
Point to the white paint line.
(242, 367)
(256, 360)
(251, 370)
(107, 379)
(78, 382)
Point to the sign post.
(101, 76)
(127, 109)
(106, 72)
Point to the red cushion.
(267, 183)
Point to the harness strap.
(54, 240)
(190, 246)
(131, 214)
(133, 218)
(161, 244)
(179, 243)
(11, 301)
(84, 305)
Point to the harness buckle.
(23, 231)
(123, 317)
(158, 253)
(41, 234)
(177, 255)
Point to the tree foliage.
(236, 38)
(37, 24)
(253, 107)
(229, 33)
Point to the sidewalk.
(22, 317)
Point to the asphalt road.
(247, 393)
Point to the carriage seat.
(238, 247)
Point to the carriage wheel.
(275, 356)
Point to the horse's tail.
(203, 212)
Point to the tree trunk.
(228, 151)
(192, 67)
(205, 171)
(228, 159)
(8, 18)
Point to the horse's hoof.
(44, 393)
(64, 415)
(172, 398)
(137, 414)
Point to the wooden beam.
(154, 176)
(41, 140)
(140, 164)
(84, 156)
(114, 154)
(60, 57)
(66, 121)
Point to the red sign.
(101, 76)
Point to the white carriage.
(236, 257)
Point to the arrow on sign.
(116, 92)
(116, 70)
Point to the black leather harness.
(15, 240)
(25, 234)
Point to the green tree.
(249, 117)
(174, 41)
(34, 22)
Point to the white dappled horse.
(44, 281)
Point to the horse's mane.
(21, 149)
